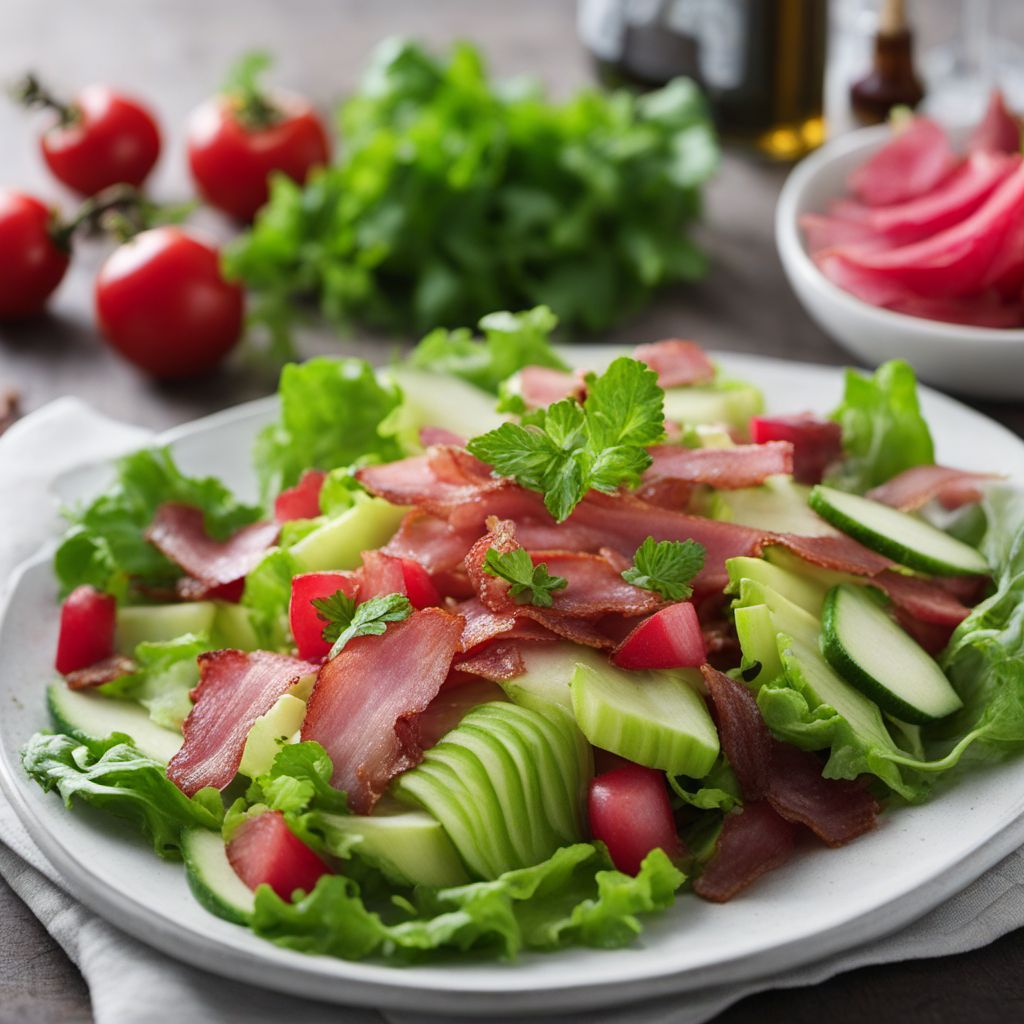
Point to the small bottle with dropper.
(893, 80)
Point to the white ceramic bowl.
(982, 361)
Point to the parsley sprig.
(666, 567)
(346, 620)
(571, 448)
(530, 584)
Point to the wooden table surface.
(173, 52)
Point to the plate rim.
(337, 981)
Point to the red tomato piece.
(301, 501)
(630, 813)
(232, 162)
(88, 618)
(111, 139)
(32, 263)
(163, 303)
(419, 587)
(816, 442)
(670, 638)
(307, 626)
(265, 851)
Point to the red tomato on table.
(32, 261)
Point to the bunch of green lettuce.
(455, 196)
(105, 546)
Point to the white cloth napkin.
(130, 982)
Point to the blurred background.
(764, 66)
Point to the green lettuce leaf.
(113, 776)
(717, 791)
(333, 413)
(105, 546)
(268, 589)
(167, 673)
(884, 432)
(455, 195)
(575, 897)
(510, 342)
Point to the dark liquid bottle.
(892, 80)
(761, 63)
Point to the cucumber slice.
(232, 627)
(756, 634)
(409, 844)
(158, 623)
(272, 729)
(787, 616)
(92, 716)
(507, 785)
(653, 718)
(825, 578)
(779, 505)
(801, 590)
(549, 670)
(211, 877)
(871, 652)
(732, 403)
(902, 537)
(340, 542)
(440, 400)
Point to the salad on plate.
(510, 654)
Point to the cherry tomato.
(103, 138)
(307, 626)
(630, 813)
(163, 303)
(670, 638)
(32, 262)
(231, 161)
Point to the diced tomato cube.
(630, 813)
(264, 850)
(87, 622)
(419, 587)
(816, 443)
(301, 501)
(670, 638)
(307, 626)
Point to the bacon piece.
(483, 625)
(816, 443)
(303, 500)
(908, 165)
(745, 465)
(440, 435)
(497, 662)
(235, 688)
(839, 553)
(379, 574)
(753, 841)
(540, 386)
(432, 541)
(915, 487)
(676, 362)
(179, 533)
(921, 599)
(100, 672)
(789, 779)
(364, 705)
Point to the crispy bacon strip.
(915, 487)
(789, 779)
(839, 553)
(179, 533)
(497, 662)
(676, 362)
(753, 841)
(431, 540)
(923, 600)
(365, 702)
(745, 465)
(235, 688)
(540, 386)
(105, 671)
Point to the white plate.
(821, 902)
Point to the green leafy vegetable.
(717, 791)
(105, 546)
(455, 196)
(570, 448)
(575, 897)
(346, 620)
(510, 342)
(268, 589)
(884, 432)
(112, 775)
(167, 673)
(530, 584)
(666, 567)
(333, 412)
